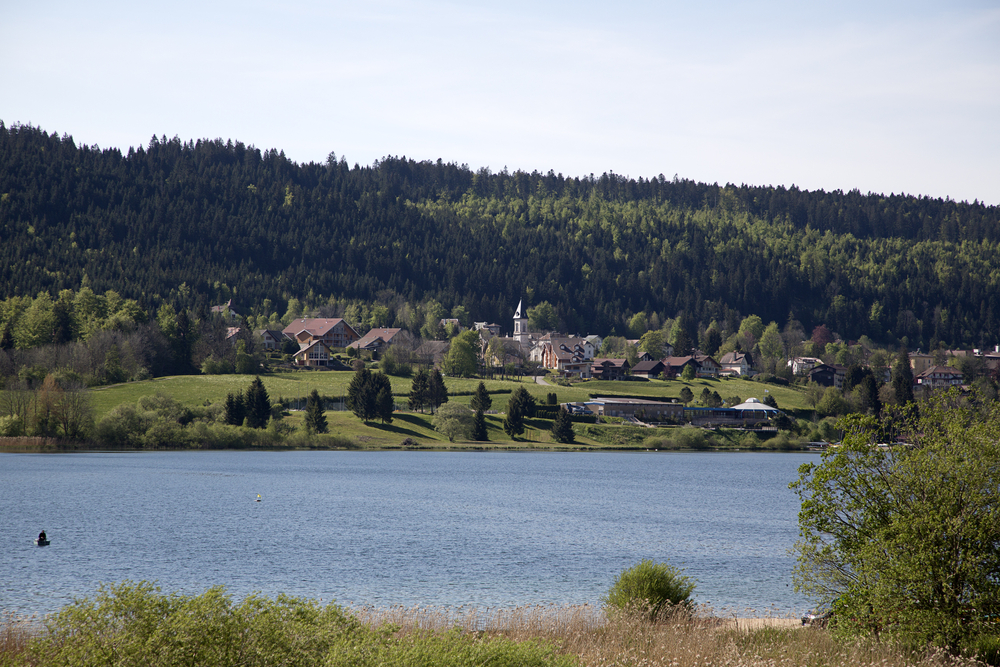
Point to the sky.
(885, 97)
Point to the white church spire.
(520, 324)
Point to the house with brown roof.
(676, 365)
(223, 309)
(708, 367)
(566, 356)
(939, 377)
(650, 370)
(609, 369)
(828, 375)
(315, 354)
(271, 339)
(802, 365)
(378, 339)
(920, 362)
(736, 363)
(332, 332)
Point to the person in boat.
(41, 536)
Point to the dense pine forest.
(193, 224)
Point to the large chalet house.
(651, 369)
(670, 367)
(609, 369)
(708, 367)
(226, 310)
(920, 362)
(939, 377)
(314, 354)
(828, 375)
(271, 339)
(378, 339)
(802, 365)
(569, 357)
(332, 332)
(704, 365)
(736, 363)
(317, 337)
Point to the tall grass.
(682, 640)
(15, 632)
(581, 635)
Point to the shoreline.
(98, 449)
(43, 445)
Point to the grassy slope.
(194, 390)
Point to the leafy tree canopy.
(905, 541)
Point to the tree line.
(193, 224)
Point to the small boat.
(258, 497)
(42, 543)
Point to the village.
(554, 358)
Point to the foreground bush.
(134, 624)
(653, 588)
(903, 541)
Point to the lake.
(488, 529)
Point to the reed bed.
(683, 640)
(15, 632)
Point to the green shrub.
(135, 624)
(11, 426)
(650, 588)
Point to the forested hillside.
(192, 224)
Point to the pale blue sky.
(879, 96)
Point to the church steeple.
(520, 323)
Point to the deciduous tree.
(905, 541)
(454, 421)
(462, 357)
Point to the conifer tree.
(235, 409)
(686, 395)
(562, 427)
(479, 432)
(902, 378)
(419, 389)
(258, 405)
(315, 416)
(520, 406)
(384, 404)
(481, 401)
(361, 395)
(437, 393)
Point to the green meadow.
(416, 429)
(195, 390)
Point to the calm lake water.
(409, 528)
